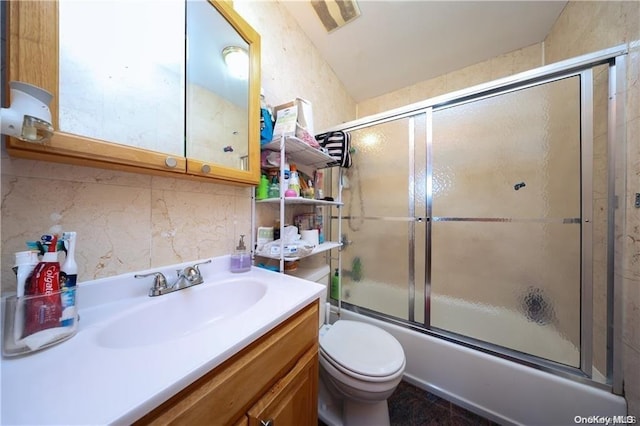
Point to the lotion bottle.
(294, 181)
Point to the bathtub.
(501, 390)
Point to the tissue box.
(295, 118)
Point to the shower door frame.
(579, 66)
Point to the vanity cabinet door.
(293, 400)
(34, 32)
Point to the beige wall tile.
(188, 225)
(112, 221)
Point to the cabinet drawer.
(225, 394)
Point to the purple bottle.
(241, 259)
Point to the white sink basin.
(180, 313)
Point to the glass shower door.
(379, 225)
(505, 248)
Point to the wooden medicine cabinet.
(141, 86)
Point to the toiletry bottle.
(68, 278)
(26, 262)
(44, 311)
(276, 230)
(262, 191)
(319, 224)
(310, 192)
(241, 259)
(335, 285)
(294, 180)
(274, 188)
(266, 122)
(285, 179)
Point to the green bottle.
(335, 285)
(263, 188)
(274, 188)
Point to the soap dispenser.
(241, 259)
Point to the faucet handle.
(159, 282)
(196, 265)
(193, 274)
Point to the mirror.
(123, 86)
(144, 85)
(217, 97)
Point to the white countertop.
(80, 381)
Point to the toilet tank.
(319, 274)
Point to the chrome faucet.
(186, 277)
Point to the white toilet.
(360, 367)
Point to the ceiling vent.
(335, 13)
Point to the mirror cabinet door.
(121, 75)
(217, 99)
(125, 94)
(222, 93)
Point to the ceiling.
(394, 44)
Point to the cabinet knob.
(171, 162)
(205, 168)
(269, 422)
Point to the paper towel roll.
(310, 236)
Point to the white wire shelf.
(300, 200)
(326, 246)
(299, 152)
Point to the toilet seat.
(362, 351)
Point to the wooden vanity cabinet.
(274, 379)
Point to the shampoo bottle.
(294, 180)
(241, 259)
(262, 191)
(335, 285)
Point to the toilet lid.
(362, 348)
